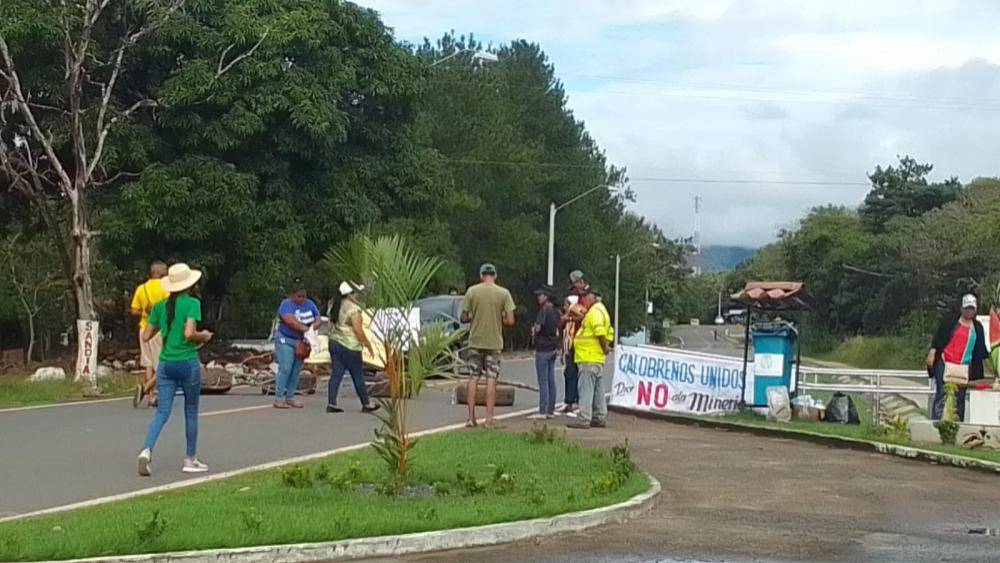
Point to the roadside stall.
(777, 349)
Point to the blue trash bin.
(774, 358)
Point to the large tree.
(69, 84)
(904, 191)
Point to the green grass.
(878, 352)
(19, 392)
(863, 431)
(549, 478)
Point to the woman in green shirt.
(177, 320)
(347, 340)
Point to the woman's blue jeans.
(289, 368)
(170, 376)
(351, 361)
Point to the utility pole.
(697, 234)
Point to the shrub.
(297, 477)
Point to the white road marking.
(236, 410)
(69, 404)
(243, 471)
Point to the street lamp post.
(553, 209)
(618, 271)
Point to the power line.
(663, 179)
(746, 181)
(901, 102)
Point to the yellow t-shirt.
(145, 296)
(586, 346)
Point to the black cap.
(546, 290)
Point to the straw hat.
(180, 277)
(347, 288)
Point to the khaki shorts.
(483, 363)
(149, 352)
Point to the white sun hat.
(180, 277)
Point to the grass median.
(18, 391)
(459, 479)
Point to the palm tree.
(394, 276)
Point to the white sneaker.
(537, 417)
(145, 457)
(194, 466)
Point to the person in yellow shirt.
(590, 348)
(149, 293)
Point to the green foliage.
(285, 127)
(947, 427)
(621, 471)
(395, 274)
(297, 477)
(896, 429)
(903, 191)
(894, 268)
(252, 520)
(152, 530)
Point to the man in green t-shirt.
(487, 307)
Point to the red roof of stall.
(781, 295)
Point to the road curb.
(423, 542)
(906, 452)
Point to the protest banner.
(668, 380)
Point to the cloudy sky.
(774, 105)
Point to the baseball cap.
(969, 301)
(575, 276)
(487, 270)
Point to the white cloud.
(769, 90)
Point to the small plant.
(535, 492)
(621, 457)
(607, 482)
(468, 484)
(503, 482)
(152, 530)
(392, 486)
(252, 520)
(348, 478)
(622, 467)
(297, 477)
(323, 473)
(542, 434)
(947, 427)
(896, 429)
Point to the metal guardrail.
(871, 381)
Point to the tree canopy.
(251, 136)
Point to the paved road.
(65, 454)
(703, 339)
(733, 496)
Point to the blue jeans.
(346, 360)
(170, 376)
(937, 409)
(572, 376)
(545, 369)
(289, 368)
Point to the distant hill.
(723, 258)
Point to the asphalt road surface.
(70, 453)
(734, 496)
(709, 339)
